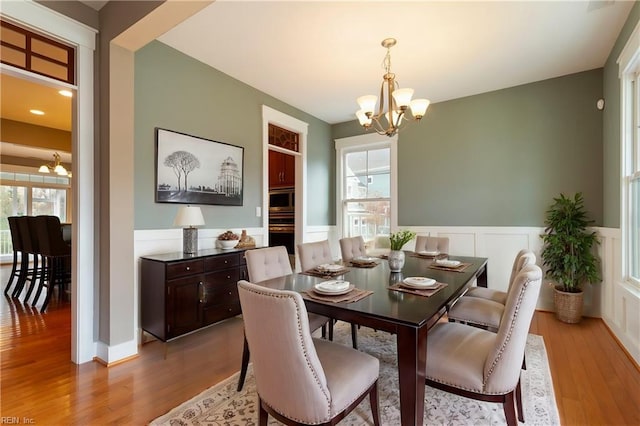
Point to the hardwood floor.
(595, 382)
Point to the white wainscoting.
(617, 302)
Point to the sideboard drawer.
(222, 262)
(181, 269)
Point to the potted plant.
(396, 255)
(568, 256)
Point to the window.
(366, 187)
(629, 73)
(24, 193)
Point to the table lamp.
(189, 217)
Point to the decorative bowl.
(228, 244)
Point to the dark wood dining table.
(406, 315)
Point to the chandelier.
(56, 167)
(396, 100)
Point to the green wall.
(176, 92)
(499, 158)
(611, 125)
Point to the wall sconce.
(189, 217)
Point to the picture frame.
(194, 170)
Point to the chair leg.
(331, 323)
(354, 336)
(245, 364)
(24, 272)
(263, 416)
(324, 331)
(34, 278)
(373, 400)
(509, 409)
(13, 274)
(47, 275)
(519, 402)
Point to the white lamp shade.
(189, 216)
(362, 118)
(402, 97)
(367, 103)
(43, 169)
(419, 107)
(60, 170)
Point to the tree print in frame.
(194, 170)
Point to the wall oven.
(282, 218)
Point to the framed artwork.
(194, 170)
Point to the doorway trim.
(83, 313)
(270, 115)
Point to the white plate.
(429, 253)
(448, 263)
(333, 287)
(363, 259)
(331, 267)
(419, 282)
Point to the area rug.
(222, 405)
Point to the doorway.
(289, 176)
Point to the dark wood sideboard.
(182, 293)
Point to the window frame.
(366, 142)
(629, 75)
(30, 185)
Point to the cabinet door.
(183, 305)
(275, 169)
(282, 169)
(288, 170)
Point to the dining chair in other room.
(318, 253)
(523, 258)
(299, 379)
(56, 254)
(487, 311)
(425, 243)
(352, 247)
(16, 243)
(482, 365)
(30, 263)
(265, 264)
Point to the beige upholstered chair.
(484, 307)
(301, 380)
(523, 258)
(312, 255)
(265, 264)
(352, 247)
(440, 244)
(479, 364)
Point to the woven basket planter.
(568, 306)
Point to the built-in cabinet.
(182, 293)
(282, 170)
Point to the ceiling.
(320, 56)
